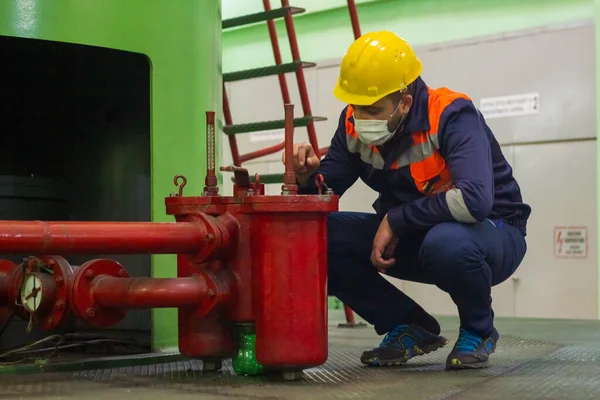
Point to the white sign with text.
(510, 106)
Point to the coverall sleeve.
(467, 151)
(338, 167)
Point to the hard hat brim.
(355, 99)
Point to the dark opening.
(75, 142)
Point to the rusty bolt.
(122, 273)
(89, 274)
(90, 312)
(211, 293)
(60, 305)
(60, 280)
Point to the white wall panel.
(559, 182)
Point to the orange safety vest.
(427, 166)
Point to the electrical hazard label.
(570, 242)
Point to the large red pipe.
(126, 293)
(64, 238)
(354, 18)
(291, 31)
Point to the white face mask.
(374, 131)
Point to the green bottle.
(244, 361)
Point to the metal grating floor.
(522, 368)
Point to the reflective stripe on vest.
(427, 166)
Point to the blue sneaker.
(472, 351)
(401, 344)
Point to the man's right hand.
(305, 162)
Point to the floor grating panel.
(342, 377)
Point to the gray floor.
(536, 359)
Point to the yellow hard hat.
(375, 65)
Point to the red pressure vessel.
(289, 267)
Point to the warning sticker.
(571, 242)
(510, 106)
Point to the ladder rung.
(267, 125)
(266, 179)
(266, 71)
(261, 16)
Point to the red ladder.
(297, 65)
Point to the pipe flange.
(220, 290)
(7, 299)
(84, 304)
(43, 291)
(59, 277)
(213, 238)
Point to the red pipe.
(136, 293)
(354, 18)
(262, 152)
(285, 94)
(349, 315)
(357, 34)
(289, 25)
(40, 237)
(235, 153)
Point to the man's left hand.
(384, 239)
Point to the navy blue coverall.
(451, 200)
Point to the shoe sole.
(479, 365)
(430, 348)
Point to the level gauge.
(31, 293)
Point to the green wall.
(184, 48)
(237, 8)
(326, 34)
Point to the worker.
(449, 211)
